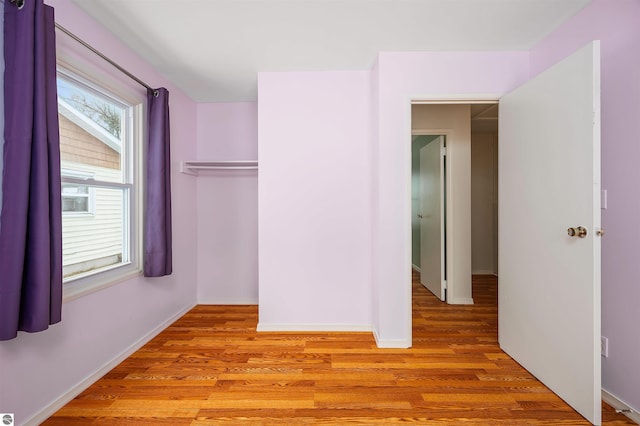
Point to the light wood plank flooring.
(211, 367)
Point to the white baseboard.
(63, 399)
(619, 404)
(484, 272)
(228, 301)
(416, 268)
(315, 327)
(391, 343)
(461, 301)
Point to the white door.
(549, 181)
(432, 217)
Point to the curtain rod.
(17, 3)
(100, 54)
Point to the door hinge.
(443, 151)
(444, 282)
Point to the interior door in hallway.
(432, 234)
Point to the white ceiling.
(213, 49)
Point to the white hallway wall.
(484, 203)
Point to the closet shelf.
(196, 166)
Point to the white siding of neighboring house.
(104, 239)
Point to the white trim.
(391, 343)
(483, 272)
(96, 281)
(315, 327)
(619, 404)
(416, 268)
(431, 132)
(461, 301)
(227, 301)
(74, 391)
(473, 98)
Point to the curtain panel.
(157, 218)
(31, 218)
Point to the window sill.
(78, 214)
(84, 286)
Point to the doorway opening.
(460, 236)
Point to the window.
(77, 199)
(99, 134)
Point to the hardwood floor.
(211, 367)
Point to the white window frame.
(130, 96)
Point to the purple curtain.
(31, 227)
(157, 218)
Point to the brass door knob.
(580, 232)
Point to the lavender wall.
(227, 205)
(314, 200)
(37, 370)
(1, 102)
(403, 76)
(617, 25)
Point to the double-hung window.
(100, 135)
